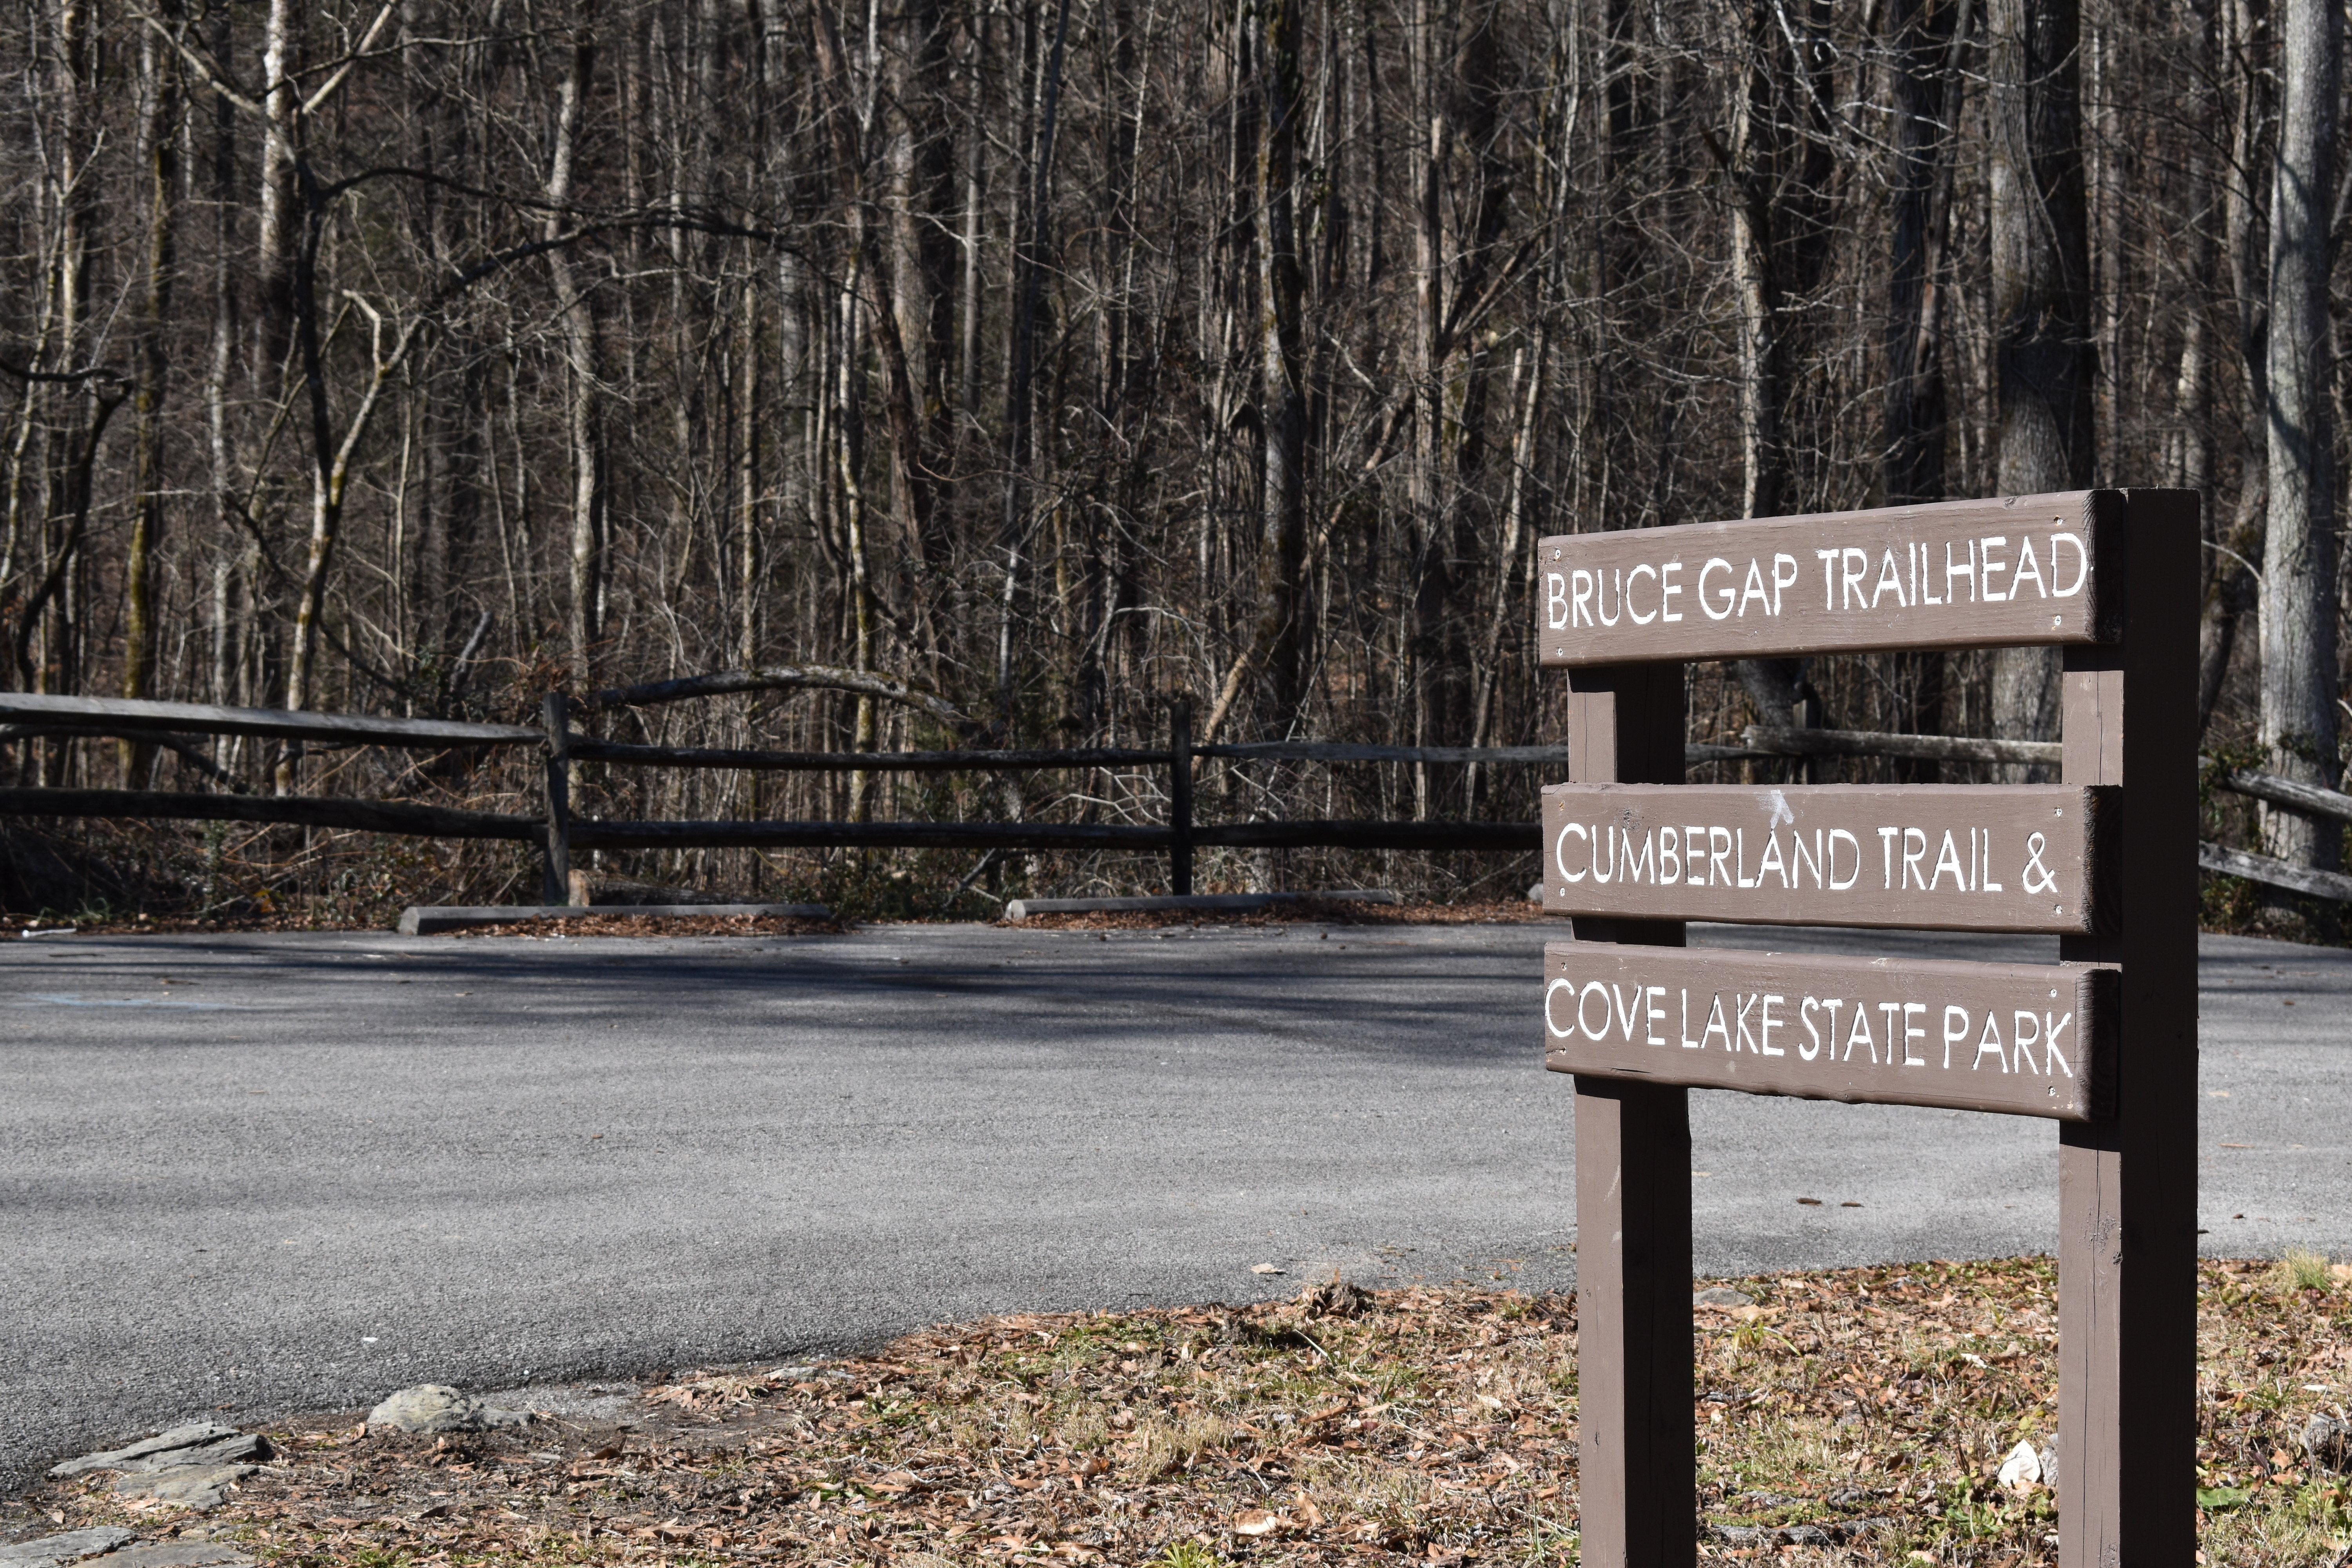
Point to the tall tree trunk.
(2299, 564)
(2042, 296)
(158, 146)
(1780, 163)
(1281, 282)
(583, 418)
(1925, 38)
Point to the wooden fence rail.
(177, 726)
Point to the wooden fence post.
(1180, 795)
(555, 880)
(1637, 1472)
(2127, 1185)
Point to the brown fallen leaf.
(1256, 1521)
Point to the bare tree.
(2040, 294)
(2299, 606)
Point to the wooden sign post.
(2103, 1042)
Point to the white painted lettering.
(1773, 861)
(1953, 569)
(1911, 858)
(1601, 601)
(1828, 558)
(1747, 1041)
(1715, 1025)
(2027, 566)
(1633, 577)
(2082, 566)
(1627, 1011)
(1695, 851)
(1860, 1033)
(1670, 854)
(1729, 595)
(1948, 857)
(1812, 1048)
(1797, 857)
(2025, 1031)
(1989, 1040)
(1852, 569)
(2050, 1040)
(1886, 855)
(1956, 1032)
(1551, 1022)
(1909, 1035)
(1988, 566)
(1666, 590)
(1852, 843)
(1888, 577)
(1581, 598)
(1583, 998)
(1651, 1014)
(1767, 1023)
(1755, 588)
(1560, 850)
(1718, 850)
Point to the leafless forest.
(1055, 357)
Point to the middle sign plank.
(2029, 1040)
(1934, 856)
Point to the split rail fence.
(178, 727)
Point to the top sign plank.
(1980, 573)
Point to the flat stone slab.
(1229, 903)
(170, 1447)
(56, 1551)
(197, 1487)
(179, 1554)
(432, 919)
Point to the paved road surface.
(260, 1173)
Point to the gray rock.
(197, 1487)
(437, 1407)
(54, 1551)
(236, 1448)
(2328, 1442)
(1722, 1296)
(188, 1436)
(181, 1554)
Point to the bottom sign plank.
(2026, 1039)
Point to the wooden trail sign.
(2123, 895)
(2027, 1039)
(1943, 857)
(1954, 574)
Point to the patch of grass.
(2301, 1270)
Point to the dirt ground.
(1848, 1417)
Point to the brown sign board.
(1935, 857)
(1978, 573)
(2021, 1039)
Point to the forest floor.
(1842, 1418)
